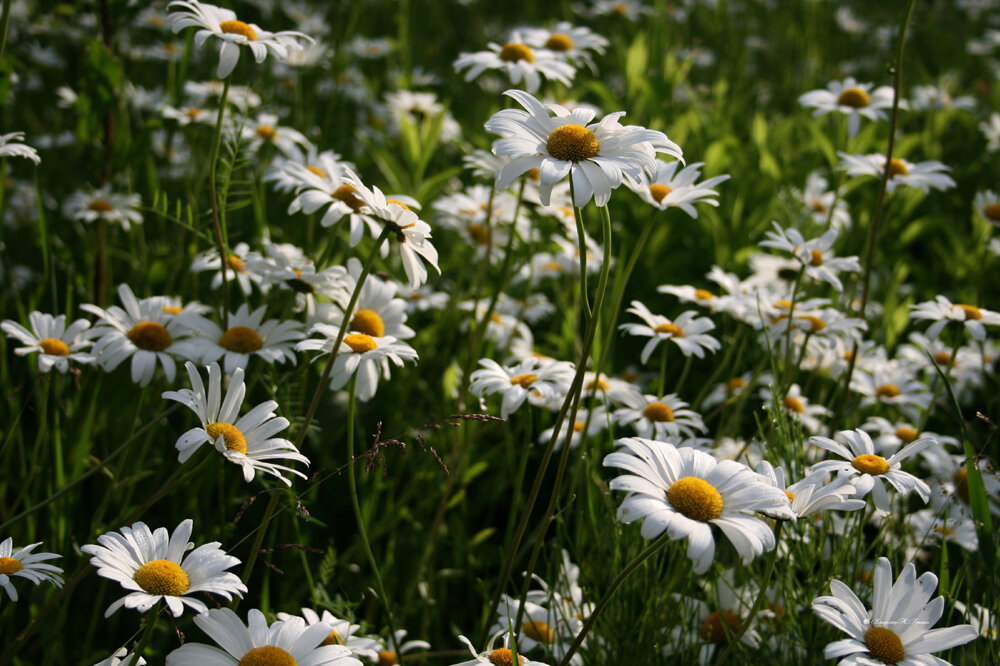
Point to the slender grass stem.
(217, 218)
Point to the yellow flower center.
(793, 404)
(101, 206)
(524, 381)
(600, 384)
(942, 357)
(695, 498)
(572, 142)
(346, 193)
(539, 631)
(387, 658)
(659, 412)
(162, 577)
(970, 311)
(790, 496)
(172, 309)
(398, 203)
(942, 530)
(234, 439)
(670, 329)
(368, 322)
(266, 132)
(316, 170)
(559, 42)
(855, 98)
(193, 113)
(241, 339)
(333, 638)
(703, 294)
(578, 426)
(961, 480)
(719, 627)
(897, 168)
(8, 565)
(815, 323)
(906, 434)
(514, 52)
(504, 657)
(869, 463)
(887, 390)
(236, 263)
(992, 212)
(816, 258)
(360, 342)
(884, 645)
(269, 655)
(552, 266)
(238, 28)
(150, 336)
(735, 384)
(818, 207)
(479, 234)
(54, 347)
(659, 192)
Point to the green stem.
(4, 23)
(581, 238)
(663, 370)
(356, 506)
(147, 634)
(217, 223)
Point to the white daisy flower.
(156, 565)
(590, 422)
(122, 657)
(248, 334)
(892, 383)
(242, 97)
(23, 563)
(852, 99)
(325, 187)
(377, 313)
(396, 646)
(240, 266)
(868, 471)
(54, 342)
(798, 407)
(897, 629)
(548, 627)
(540, 383)
(103, 204)
(813, 494)
(991, 131)
(815, 254)
(248, 441)
(11, 146)
(987, 204)
(143, 330)
(341, 633)
(361, 355)
(312, 169)
(284, 642)
(686, 331)
(222, 24)
(942, 311)
(492, 656)
(820, 201)
(597, 156)
(928, 527)
(265, 130)
(187, 115)
(684, 492)
(922, 175)
(655, 417)
(568, 42)
(519, 61)
(927, 98)
(668, 188)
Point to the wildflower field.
(456, 333)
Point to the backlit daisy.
(248, 334)
(655, 417)
(341, 633)
(238, 268)
(869, 471)
(598, 157)
(897, 629)
(248, 441)
(103, 204)
(11, 146)
(54, 342)
(122, 657)
(684, 492)
(942, 311)
(815, 254)
(519, 61)
(548, 627)
(991, 132)
(396, 645)
(687, 331)
(530, 379)
(852, 99)
(567, 42)
(222, 24)
(23, 563)
(492, 656)
(289, 642)
(920, 175)
(813, 494)
(668, 188)
(819, 200)
(798, 406)
(155, 565)
(987, 204)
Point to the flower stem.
(147, 634)
(217, 221)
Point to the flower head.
(23, 563)
(10, 145)
(669, 188)
(853, 99)
(55, 343)
(519, 61)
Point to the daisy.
(265, 130)
(814, 493)
(22, 563)
(11, 146)
(341, 633)
(658, 417)
(122, 657)
(928, 527)
(397, 646)
(926, 98)
(567, 42)
(815, 254)
(377, 313)
(991, 131)
(239, 267)
(187, 115)
(942, 311)
(684, 492)
(55, 343)
(492, 656)
(987, 204)
(820, 201)
(288, 641)
(549, 628)
(325, 188)
(897, 630)
(142, 331)
(248, 334)
(222, 24)
(155, 565)
(588, 422)
(103, 204)
(668, 188)
(365, 356)
(868, 471)
(852, 99)
(248, 441)
(598, 157)
(300, 171)
(686, 331)
(420, 109)
(519, 61)
(798, 407)
(892, 383)
(530, 379)
(922, 175)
